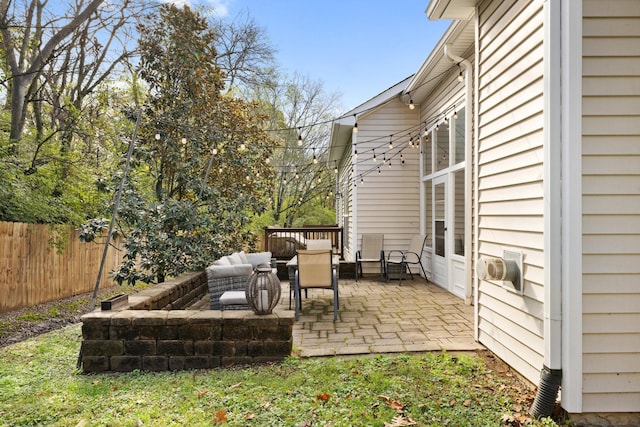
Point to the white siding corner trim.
(571, 33)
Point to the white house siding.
(344, 206)
(387, 203)
(611, 205)
(510, 176)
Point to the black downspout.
(545, 401)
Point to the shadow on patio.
(379, 317)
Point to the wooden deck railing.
(284, 242)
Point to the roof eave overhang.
(459, 38)
(342, 128)
(450, 9)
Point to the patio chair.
(319, 244)
(315, 271)
(399, 262)
(371, 250)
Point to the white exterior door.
(440, 224)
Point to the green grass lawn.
(40, 385)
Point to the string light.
(315, 159)
(411, 104)
(390, 142)
(335, 167)
(460, 75)
(184, 140)
(355, 125)
(355, 151)
(455, 114)
(374, 156)
(242, 146)
(299, 137)
(157, 136)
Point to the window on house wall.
(428, 212)
(459, 135)
(427, 154)
(441, 145)
(459, 209)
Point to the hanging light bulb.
(374, 156)
(411, 104)
(401, 159)
(183, 140)
(361, 180)
(437, 127)
(158, 136)
(411, 141)
(455, 114)
(242, 146)
(384, 159)
(267, 160)
(296, 173)
(355, 125)
(355, 152)
(389, 164)
(460, 75)
(214, 150)
(379, 173)
(426, 132)
(299, 138)
(335, 166)
(315, 159)
(390, 142)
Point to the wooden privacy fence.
(33, 271)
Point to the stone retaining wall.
(147, 335)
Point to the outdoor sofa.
(231, 272)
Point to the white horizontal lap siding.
(510, 176)
(611, 206)
(344, 195)
(388, 202)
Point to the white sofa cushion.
(255, 259)
(223, 261)
(229, 270)
(243, 257)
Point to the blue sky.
(356, 47)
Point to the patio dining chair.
(371, 251)
(399, 262)
(315, 270)
(319, 244)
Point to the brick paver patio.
(382, 317)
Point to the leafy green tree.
(200, 158)
(302, 110)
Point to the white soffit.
(450, 9)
